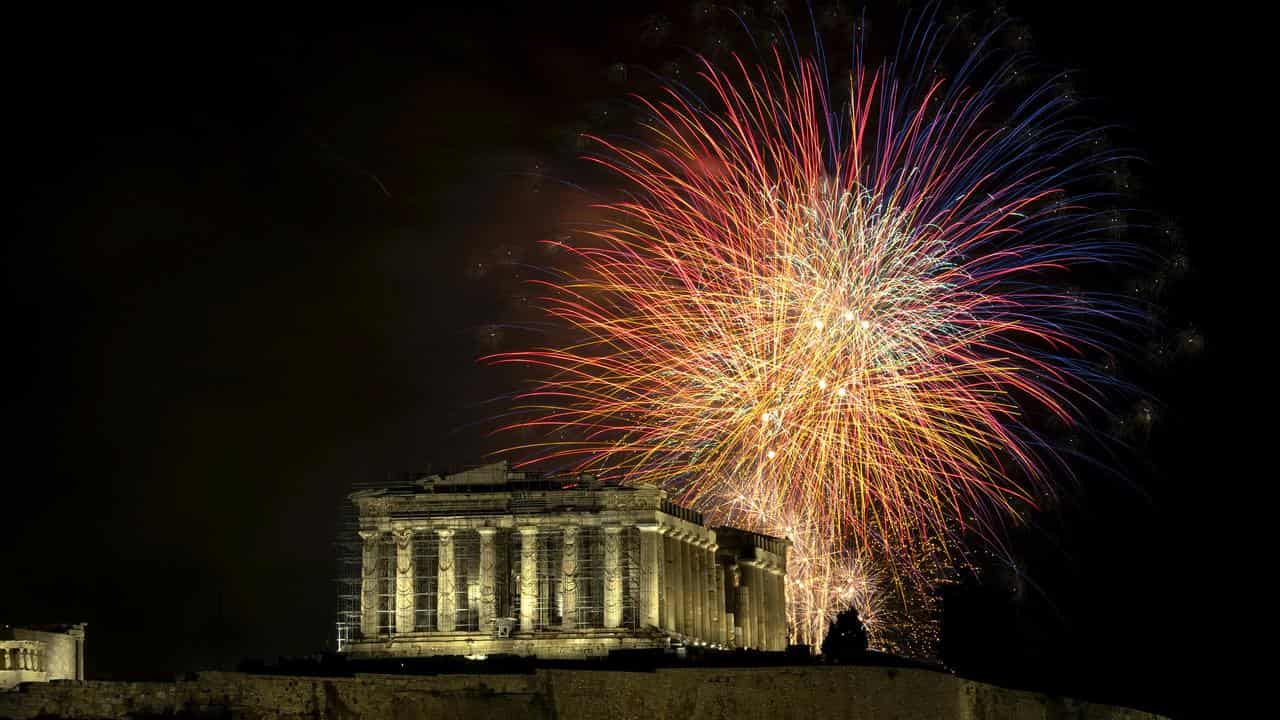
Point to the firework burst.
(843, 314)
(824, 577)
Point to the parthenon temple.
(492, 561)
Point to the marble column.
(765, 607)
(780, 611)
(369, 583)
(761, 595)
(650, 574)
(778, 617)
(682, 584)
(677, 582)
(784, 629)
(669, 574)
(405, 577)
(528, 577)
(4, 658)
(699, 596)
(743, 615)
(726, 617)
(708, 590)
(488, 576)
(446, 583)
(704, 592)
(612, 576)
(715, 609)
(569, 578)
(690, 589)
(771, 607)
(693, 618)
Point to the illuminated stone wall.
(865, 693)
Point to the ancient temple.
(492, 560)
(41, 653)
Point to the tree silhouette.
(846, 640)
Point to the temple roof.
(494, 477)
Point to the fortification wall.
(865, 693)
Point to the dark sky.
(243, 276)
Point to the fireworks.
(823, 576)
(840, 316)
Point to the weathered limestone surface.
(866, 693)
(650, 578)
(569, 577)
(612, 576)
(488, 593)
(650, 575)
(528, 577)
(446, 591)
(37, 655)
(404, 580)
(369, 583)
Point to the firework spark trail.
(824, 578)
(848, 318)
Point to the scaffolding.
(426, 563)
(466, 580)
(590, 597)
(347, 577)
(386, 580)
(631, 572)
(590, 604)
(506, 582)
(550, 598)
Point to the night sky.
(256, 257)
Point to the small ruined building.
(496, 561)
(40, 654)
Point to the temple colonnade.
(669, 576)
(22, 655)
